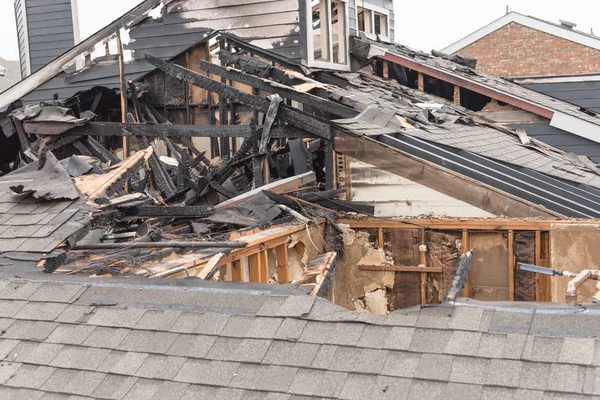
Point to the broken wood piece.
(281, 256)
(170, 212)
(159, 245)
(398, 268)
(269, 120)
(212, 266)
(326, 264)
(522, 134)
(278, 187)
(301, 218)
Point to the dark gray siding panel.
(583, 94)
(563, 140)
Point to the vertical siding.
(45, 31)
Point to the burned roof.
(185, 340)
(563, 115)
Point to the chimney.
(45, 30)
(567, 24)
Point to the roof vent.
(567, 24)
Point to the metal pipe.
(574, 283)
(171, 272)
(159, 245)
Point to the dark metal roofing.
(193, 340)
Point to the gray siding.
(561, 139)
(583, 94)
(45, 31)
(353, 23)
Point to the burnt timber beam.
(290, 115)
(436, 177)
(468, 84)
(182, 131)
(283, 91)
(170, 212)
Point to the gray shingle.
(148, 341)
(374, 337)
(504, 373)
(388, 388)
(109, 338)
(255, 395)
(145, 389)
(358, 387)
(529, 394)
(577, 351)
(40, 311)
(121, 362)
(114, 387)
(30, 330)
(7, 370)
(463, 391)
(6, 346)
(271, 305)
(117, 317)
(64, 293)
(399, 338)
(347, 359)
(11, 245)
(203, 323)
(426, 390)
(575, 325)
(534, 375)
(8, 308)
(463, 343)
(296, 306)
(218, 373)
(75, 382)
(70, 334)
(310, 382)
(467, 318)
(324, 310)
(34, 352)
(434, 367)
(511, 322)
(498, 393)
(539, 348)
(401, 364)
(30, 376)
(160, 367)
(19, 291)
(158, 320)
(20, 393)
(196, 346)
(252, 377)
(514, 346)
(251, 327)
(491, 345)
(76, 314)
(317, 332)
(566, 378)
(430, 340)
(324, 356)
(469, 370)
(290, 329)
(292, 354)
(75, 357)
(231, 349)
(341, 333)
(195, 392)
(438, 317)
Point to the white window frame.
(373, 9)
(310, 48)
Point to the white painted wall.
(394, 196)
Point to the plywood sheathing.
(488, 276)
(525, 253)
(574, 248)
(365, 291)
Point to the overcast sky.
(433, 24)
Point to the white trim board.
(557, 79)
(546, 27)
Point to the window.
(373, 20)
(328, 34)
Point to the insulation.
(525, 253)
(442, 252)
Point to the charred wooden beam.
(159, 130)
(99, 151)
(161, 178)
(170, 212)
(159, 245)
(320, 196)
(348, 206)
(287, 92)
(292, 116)
(268, 124)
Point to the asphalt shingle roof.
(181, 346)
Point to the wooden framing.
(421, 82)
(466, 292)
(254, 267)
(281, 254)
(237, 271)
(511, 265)
(399, 268)
(423, 263)
(456, 97)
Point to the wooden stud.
(423, 262)
(511, 265)
(399, 268)
(465, 248)
(457, 95)
(281, 253)
(386, 69)
(237, 271)
(254, 267)
(380, 238)
(263, 267)
(421, 82)
(538, 261)
(348, 178)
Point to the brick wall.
(516, 50)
